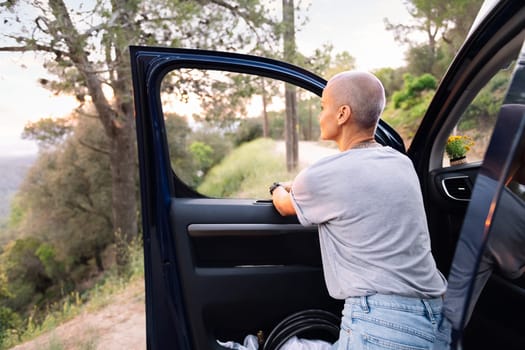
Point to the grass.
(247, 172)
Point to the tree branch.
(93, 148)
(237, 11)
(35, 47)
(81, 112)
(75, 44)
(78, 206)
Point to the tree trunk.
(290, 127)
(123, 170)
(291, 139)
(266, 126)
(310, 118)
(118, 120)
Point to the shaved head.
(363, 92)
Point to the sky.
(355, 26)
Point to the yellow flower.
(458, 146)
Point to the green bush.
(202, 155)
(249, 129)
(246, 172)
(10, 322)
(413, 88)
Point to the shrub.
(246, 172)
(10, 321)
(249, 129)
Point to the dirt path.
(121, 324)
(310, 151)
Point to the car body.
(222, 268)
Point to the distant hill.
(12, 172)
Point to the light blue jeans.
(393, 322)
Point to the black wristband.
(273, 187)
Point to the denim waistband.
(430, 307)
(389, 299)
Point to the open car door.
(463, 201)
(217, 268)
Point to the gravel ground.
(119, 325)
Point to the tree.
(65, 198)
(289, 52)
(193, 153)
(309, 108)
(26, 274)
(410, 104)
(392, 79)
(86, 49)
(48, 132)
(325, 63)
(444, 25)
(462, 14)
(342, 61)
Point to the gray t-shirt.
(373, 231)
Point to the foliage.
(408, 105)
(29, 272)
(423, 59)
(85, 46)
(224, 100)
(276, 125)
(15, 330)
(443, 23)
(193, 153)
(457, 146)
(202, 157)
(61, 218)
(249, 129)
(243, 171)
(10, 322)
(48, 132)
(392, 79)
(177, 134)
(201, 153)
(483, 110)
(324, 62)
(308, 108)
(342, 61)
(216, 140)
(412, 89)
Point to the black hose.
(303, 323)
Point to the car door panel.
(449, 192)
(244, 273)
(501, 323)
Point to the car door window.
(225, 131)
(468, 140)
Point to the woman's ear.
(343, 114)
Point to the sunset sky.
(352, 25)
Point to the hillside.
(13, 170)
